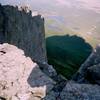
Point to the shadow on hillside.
(67, 53)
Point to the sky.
(87, 4)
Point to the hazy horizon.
(82, 16)
(86, 4)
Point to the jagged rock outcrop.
(20, 78)
(89, 72)
(20, 28)
(86, 85)
(93, 74)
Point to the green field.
(67, 49)
(66, 53)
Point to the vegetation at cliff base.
(66, 53)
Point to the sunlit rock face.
(19, 27)
(20, 78)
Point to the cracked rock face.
(20, 78)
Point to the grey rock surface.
(20, 28)
(91, 64)
(93, 74)
(20, 78)
(23, 79)
(75, 91)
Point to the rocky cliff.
(86, 85)
(89, 72)
(23, 79)
(20, 28)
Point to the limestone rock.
(75, 91)
(20, 78)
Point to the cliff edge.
(20, 28)
(23, 79)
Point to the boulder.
(20, 78)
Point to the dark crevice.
(1, 98)
(3, 52)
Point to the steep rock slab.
(20, 78)
(93, 74)
(75, 91)
(20, 28)
(87, 66)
